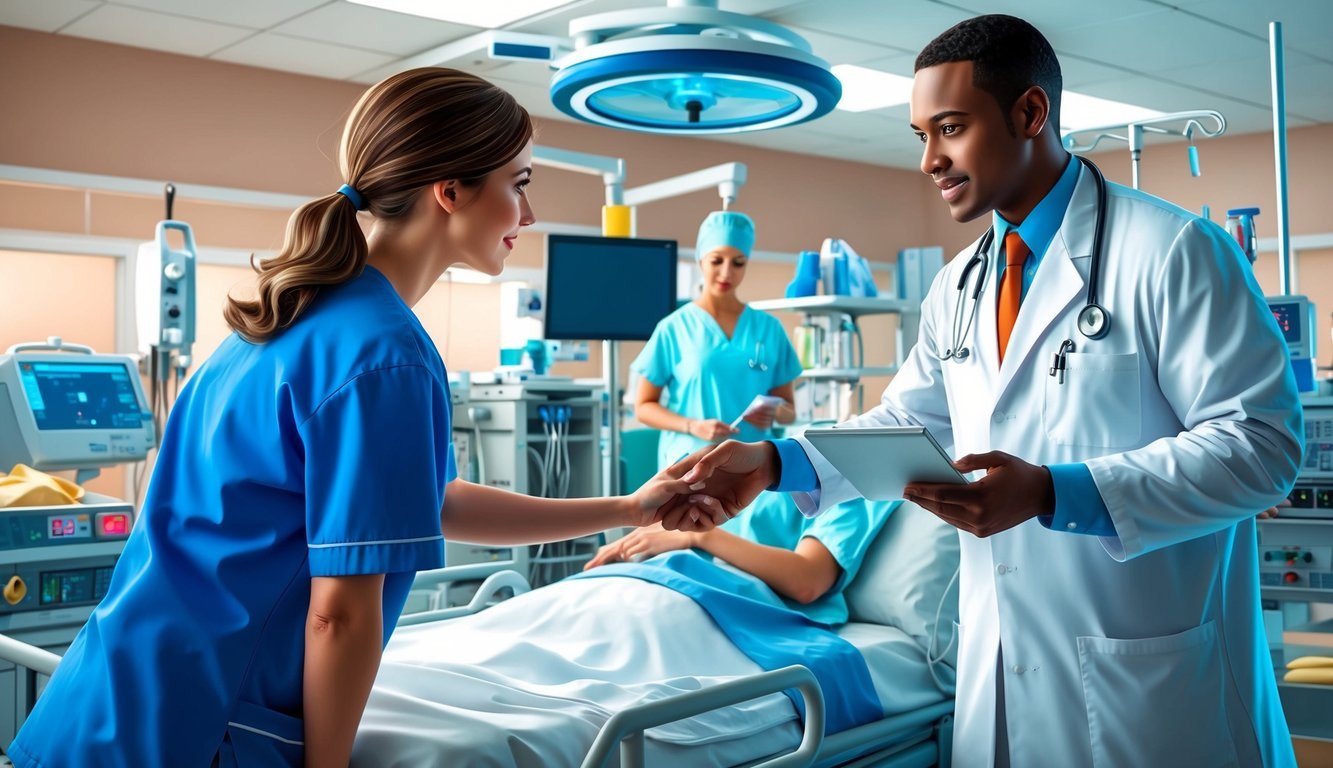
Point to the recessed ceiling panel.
(255, 14)
(43, 15)
(158, 31)
(358, 26)
(304, 56)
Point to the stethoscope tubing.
(1094, 321)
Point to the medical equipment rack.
(540, 437)
(1296, 569)
(842, 384)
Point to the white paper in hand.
(760, 404)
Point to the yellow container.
(617, 221)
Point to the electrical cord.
(932, 659)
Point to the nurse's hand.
(711, 430)
(1013, 491)
(641, 544)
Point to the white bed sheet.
(529, 682)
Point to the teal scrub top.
(322, 452)
(846, 531)
(709, 376)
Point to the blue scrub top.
(709, 376)
(846, 531)
(323, 452)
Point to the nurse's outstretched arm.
(484, 515)
(344, 635)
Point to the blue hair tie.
(351, 194)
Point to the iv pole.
(1189, 124)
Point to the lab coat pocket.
(1095, 402)
(258, 737)
(1156, 701)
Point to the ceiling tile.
(255, 14)
(304, 56)
(1310, 91)
(556, 22)
(360, 26)
(836, 49)
(876, 21)
(1306, 26)
(43, 15)
(1052, 17)
(158, 31)
(1162, 40)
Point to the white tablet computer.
(880, 461)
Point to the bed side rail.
(29, 657)
(626, 728)
(489, 589)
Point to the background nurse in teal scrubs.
(713, 355)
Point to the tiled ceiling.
(1169, 55)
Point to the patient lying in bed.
(530, 681)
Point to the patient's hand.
(643, 543)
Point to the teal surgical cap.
(725, 228)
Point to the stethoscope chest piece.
(1093, 321)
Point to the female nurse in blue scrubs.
(715, 354)
(307, 471)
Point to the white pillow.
(905, 576)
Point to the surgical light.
(865, 89)
(689, 68)
(488, 15)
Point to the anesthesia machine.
(61, 411)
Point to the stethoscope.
(757, 362)
(1094, 321)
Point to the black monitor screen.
(608, 287)
(80, 395)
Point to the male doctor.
(1110, 600)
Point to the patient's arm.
(483, 515)
(803, 575)
(344, 635)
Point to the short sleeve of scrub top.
(846, 531)
(656, 362)
(373, 499)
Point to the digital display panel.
(85, 585)
(78, 395)
(615, 288)
(1288, 317)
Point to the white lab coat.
(1145, 648)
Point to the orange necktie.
(1011, 287)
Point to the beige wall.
(92, 107)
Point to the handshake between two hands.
(708, 487)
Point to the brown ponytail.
(406, 132)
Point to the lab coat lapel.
(1059, 281)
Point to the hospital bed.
(616, 671)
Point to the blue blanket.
(769, 633)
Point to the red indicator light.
(115, 525)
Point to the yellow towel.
(1310, 669)
(27, 487)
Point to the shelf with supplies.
(848, 374)
(855, 306)
(832, 351)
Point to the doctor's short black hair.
(1008, 56)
